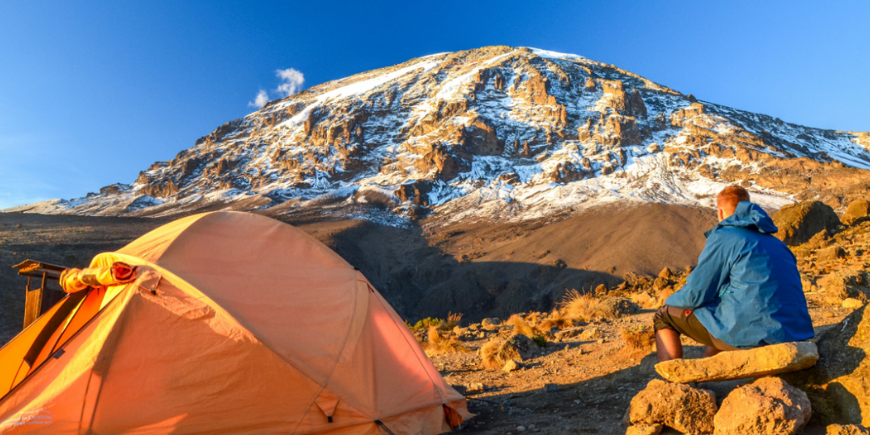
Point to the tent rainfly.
(230, 323)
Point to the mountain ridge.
(495, 133)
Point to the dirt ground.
(589, 384)
(571, 387)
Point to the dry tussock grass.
(494, 354)
(555, 320)
(638, 337)
(522, 327)
(583, 307)
(438, 344)
(453, 320)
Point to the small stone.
(832, 253)
(551, 388)
(666, 273)
(741, 364)
(601, 341)
(768, 406)
(828, 315)
(644, 429)
(568, 333)
(510, 366)
(852, 303)
(477, 387)
(590, 334)
(521, 428)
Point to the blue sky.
(92, 93)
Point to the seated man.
(745, 292)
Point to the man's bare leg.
(710, 351)
(668, 345)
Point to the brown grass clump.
(453, 320)
(583, 307)
(495, 353)
(638, 337)
(555, 320)
(490, 356)
(587, 307)
(438, 344)
(522, 327)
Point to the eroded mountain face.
(494, 133)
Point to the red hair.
(730, 196)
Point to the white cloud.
(291, 81)
(260, 101)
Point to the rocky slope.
(496, 133)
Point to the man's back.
(746, 289)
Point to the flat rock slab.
(742, 364)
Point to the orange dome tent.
(235, 323)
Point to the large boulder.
(839, 384)
(767, 406)
(741, 364)
(686, 409)
(800, 221)
(857, 212)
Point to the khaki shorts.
(684, 322)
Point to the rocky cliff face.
(505, 133)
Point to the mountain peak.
(506, 133)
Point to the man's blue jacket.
(746, 289)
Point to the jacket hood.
(750, 216)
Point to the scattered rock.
(799, 222)
(831, 254)
(477, 387)
(741, 364)
(857, 212)
(644, 429)
(767, 406)
(846, 429)
(852, 303)
(686, 409)
(666, 273)
(590, 334)
(490, 321)
(568, 333)
(551, 388)
(521, 428)
(510, 366)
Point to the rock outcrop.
(767, 406)
(741, 364)
(686, 409)
(801, 221)
(839, 384)
(500, 133)
(857, 212)
(846, 429)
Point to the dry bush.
(495, 353)
(437, 344)
(587, 308)
(522, 327)
(489, 355)
(645, 300)
(453, 320)
(555, 320)
(583, 307)
(638, 337)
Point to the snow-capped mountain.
(505, 133)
